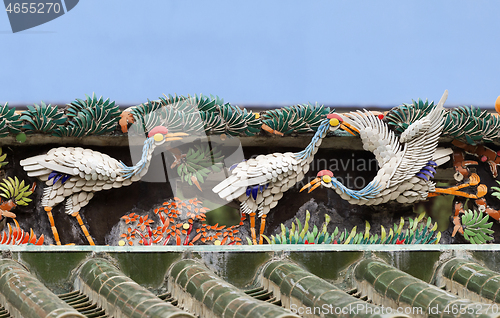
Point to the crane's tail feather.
(442, 155)
(224, 184)
(443, 99)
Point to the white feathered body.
(273, 174)
(81, 173)
(403, 162)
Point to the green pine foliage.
(196, 114)
(471, 125)
(418, 231)
(403, 116)
(296, 119)
(90, 116)
(466, 123)
(10, 122)
(42, 118)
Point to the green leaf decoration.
(297, 118)
(200, 161)
(476, 228)
(12, 189)
(90, 116)
(2, 158)
(496, 191)
(406, 233)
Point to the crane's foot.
(84, 228)
(262, 228)
(48, 209)
(473, 181)
(252, 228)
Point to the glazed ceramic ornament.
(407, 165)
(75, 174)
(259, 183)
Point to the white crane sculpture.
(75, 174)
(406, 165)
(259, 183)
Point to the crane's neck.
(316, 140)
(142, 166)
(368, 192)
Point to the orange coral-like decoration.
(17, 236)
(181, 223)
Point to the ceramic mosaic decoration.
(411, 145)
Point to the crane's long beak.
(315, 183)
(175, 136)
(345, 126)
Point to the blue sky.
(258, 52)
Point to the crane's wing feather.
(259, 171)
(421, 140)
(375, 135)
(72, 162)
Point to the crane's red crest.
(337, 116)
(158, 130)
(325, 172)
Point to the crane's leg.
(48, 209)
(262, 227)
(252, 228)
(84, 228)
(481, 191)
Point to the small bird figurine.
(259, 183)
(406, 165)
(74, 174)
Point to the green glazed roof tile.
(293, 281)
(204, 289)
(215, 294)
(397, 286)
(385, 279)
(477, 281)
(180, 266)
(490, 287)
(196, 282)
(225, 300)
(28, 297)
(312, 291)
(463, 274)
(472, 277)
(419, 293)
(184, 276)
(121, 293)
